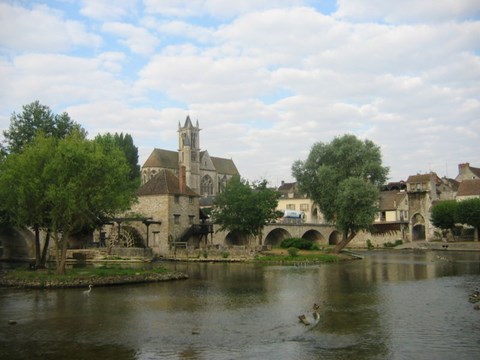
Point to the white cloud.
(424, 11)
(41, 29)
(107, 10)
(215, 8)
(139, 40)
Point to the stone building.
(205, 175)
(174, 207)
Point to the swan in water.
(87, 292)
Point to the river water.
(390, 305)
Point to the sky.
(266, 79)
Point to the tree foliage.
(65, 184)
(444, 214)
(36, 118)
(342, 177)
(468, 212)
(245, 208)
(124, 142)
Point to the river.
(390, 305)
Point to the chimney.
(182, 179)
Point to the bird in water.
(316, 316)
(87, 292)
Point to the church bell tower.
(189, 153)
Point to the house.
(292, 199)
(205, 175)
(393, 206)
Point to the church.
(206, 175)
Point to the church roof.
(164, 183)
(224, 166)
(167, 159)
(163, 159)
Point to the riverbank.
(78, 278)
(440, 245)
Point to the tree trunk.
(63, 256)
(345, 240)
(38, 260)
(43, 261)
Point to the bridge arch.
(334, 238)
(314, 236)
(276, 236)
(236, 238)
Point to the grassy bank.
(303, 256)
(82, 277)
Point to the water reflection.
(391, 305)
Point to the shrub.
(369, 244)
(225, 254)
(292, 251)
(298, 243)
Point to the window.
(290, 206)
(206, 187)
(304, 207)
(176, 219)
(190, 199)
(177, 199)
(191, 219)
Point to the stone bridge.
(275, 233)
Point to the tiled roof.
(475, 170)
(287, 187)
(419, 178)
(164, 183)
(389, 200)
(469, 188)
(162, 159)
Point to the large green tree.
(36, 118)
(468, 212)
(444, 215)
(343, 177)
(245, 208)
(79, 182)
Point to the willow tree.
(343, 178)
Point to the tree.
(244, 208)
(343, 178)
(124, 142)
(444, 215)
(468, 212)
(78, 182)
(36, 118)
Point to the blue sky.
(265, 79)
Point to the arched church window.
(207, 185)
(222, 183)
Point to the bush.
(292, 251)
(298, 243)
(225, 254)
(369, 244)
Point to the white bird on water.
(87, 292)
